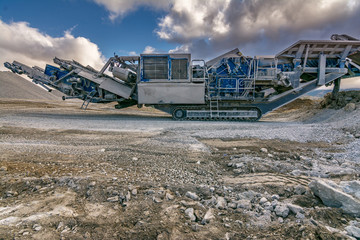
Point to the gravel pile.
(343, 99)
(14, 86)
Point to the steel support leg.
(336, 88)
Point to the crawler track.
(184, 113)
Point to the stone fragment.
(169, 197)
(261, 221)
(134, 191)
(238, 165)
(209, 215)
(268, 206)
(353, 231)
(300, 190)
(239, 222)
(60, 226)
(162, 236)
(188, 203)
(333, 196)
(264, 150)
(274, 203)
(299, 215)
(189, 213)
(245, 204)
(71, 184)
(113, 199)
(199, 214)
(275, 197)
(11, 193)
(221, 203)
(350, 107)
(157, 200)
(150, 191)
(192, 195)
(37, 227)
(282, 211)
(262, 200)
(232, 205)
(211, 201)
(128, 196)
(3, 168)
(351, 187)
(295, 208)
(196, 227)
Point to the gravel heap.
(342, 99)
(14, 86)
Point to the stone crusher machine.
(229, 87)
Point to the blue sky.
(87, 19)
(90, 31)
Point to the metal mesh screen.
(179, 69)
(155, 67)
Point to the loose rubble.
(181, 183)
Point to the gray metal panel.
(171, 93)
(109, 84)
(117, 88)
(91, 77)
(129, 58)
(321, 73)
(329, 47)
(233, 53)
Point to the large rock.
(333, 196)
(351, 187)
(282, 211)
(189, 213)
(353, 231)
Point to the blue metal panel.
(229, 76)
(55, 71)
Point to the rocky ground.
(137, 174)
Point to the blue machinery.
(231, 86)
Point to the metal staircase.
(213, 95)
(87, 100)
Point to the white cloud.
(20, 42)
(208, 28)
(219, 25)
(149, 49)
(119, 8)
(194, 19)
(185, 48)
(133, 53)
